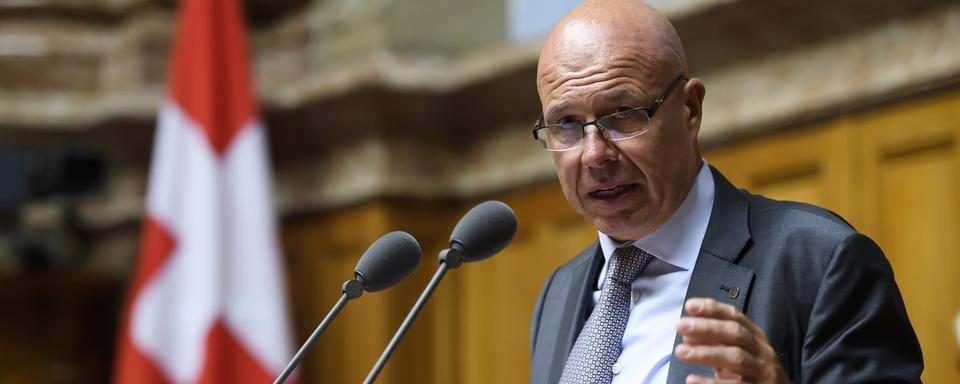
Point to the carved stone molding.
(356, 111)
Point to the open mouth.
(612, 192)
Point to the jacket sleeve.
(858, 330)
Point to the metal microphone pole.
(352, 289)
(449, 258)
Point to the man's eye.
(568, 120)
(623, 112)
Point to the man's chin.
(619, 232)
(622, 229)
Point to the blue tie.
(598, 346)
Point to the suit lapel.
(715, 274)
(564, 312)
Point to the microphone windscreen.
(485, 230)
(388, 261)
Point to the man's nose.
(596, 148)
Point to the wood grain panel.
(322, 252)
(912, 173)
(500, 292)
(813, 165)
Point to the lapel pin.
(733, 292)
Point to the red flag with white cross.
(206, 303)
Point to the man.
(691, 280)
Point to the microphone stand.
(351, 289)
(450, 258)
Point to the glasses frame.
(650, 111)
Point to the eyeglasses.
(620, 125)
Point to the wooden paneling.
(475, 329)
(499, 294)
(321, 254)
(911, 167)
(812, 164)
(893, 173)
(56, 327)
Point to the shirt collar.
(677, 241)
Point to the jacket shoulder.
(765, 211)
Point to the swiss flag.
(207, 303)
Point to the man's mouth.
(611, 192)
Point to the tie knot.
(626, 263)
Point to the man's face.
(626, 188)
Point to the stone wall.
(432, 98)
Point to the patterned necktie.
(599, 344)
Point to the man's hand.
(718, 335)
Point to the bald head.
(617, 60)
(601, 29)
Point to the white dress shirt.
(658, 293)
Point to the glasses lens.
(562, 136)
(626, 124)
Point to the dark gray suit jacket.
(822, 292)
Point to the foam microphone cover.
(388, 261)
(485, 230)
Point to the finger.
(706, 307)
(728, 374)
(701, 308)
(732, 360)
(697, 379)
(710, 308)
(762, 354)
(757, 345)
(711, 331)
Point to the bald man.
(691, 280)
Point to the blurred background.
(401, 114)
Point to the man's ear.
(693, 92)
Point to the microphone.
(386, 262)
(485, 230)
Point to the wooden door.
(894, 173)
(911, 202)
(812, 164)
(499, 294)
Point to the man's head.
(607, 56)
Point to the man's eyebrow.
(619, 95)
(557, 109)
